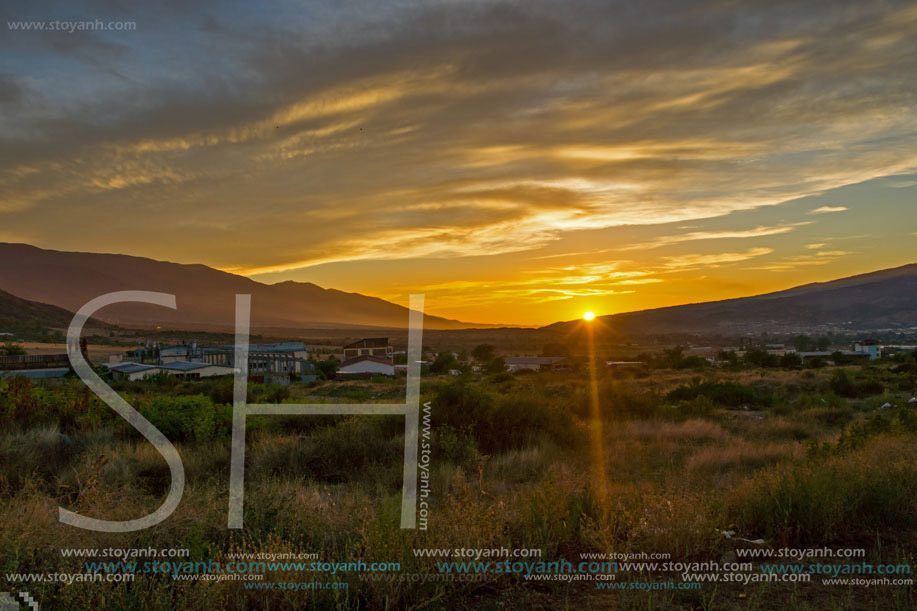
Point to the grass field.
(774, 458)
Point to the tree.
(496, 365)
(672, 357)
(443, 363)
(484, 353)
(791, 360)
(761, 358)
(823, 343)
(327, 368)
(804, 343)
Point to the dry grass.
(694, 431)
(334, 489)
(742, 456)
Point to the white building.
(367, 363)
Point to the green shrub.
(846, 386)
(843, 497)
(268, 393)
(458, 447)
(354, 448)
(44, 452)
(185, 418)
(728, 394)
(504, 422)
(620, 402)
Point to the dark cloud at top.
(467, 127)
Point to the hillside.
(26, 319)
(205, 296)
(877, 300)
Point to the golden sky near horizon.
(515, 162)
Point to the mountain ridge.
(205, 295)
(879, 299)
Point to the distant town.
(291, 362)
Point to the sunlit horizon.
(522, 166)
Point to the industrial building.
(370, 346)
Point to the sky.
(516, 162)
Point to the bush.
(619, 402)
(506, 422)
(185, 418)
(336, 453)
(43, 452)
(458, 447)
(728, 394)
(844, 385)
(844, 497)
(268, 393)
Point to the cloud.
(827, 209)
(713, 260)
(794, 262)
(757, 232)
(540, 285)
(337, 133)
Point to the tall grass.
(845, 497)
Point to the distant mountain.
(877, 300)
(26, 318)
(205, 296)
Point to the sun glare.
(588, 315)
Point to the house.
(534, 363)
(132, 371)
(870, 347)
(367, 364)
(370, 346)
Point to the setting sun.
(588, 315)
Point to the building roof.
(366, 357)
(369, 342)
(277, 347)
(131, 367)
(37, 374)
(187, 366)
(532, 360)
